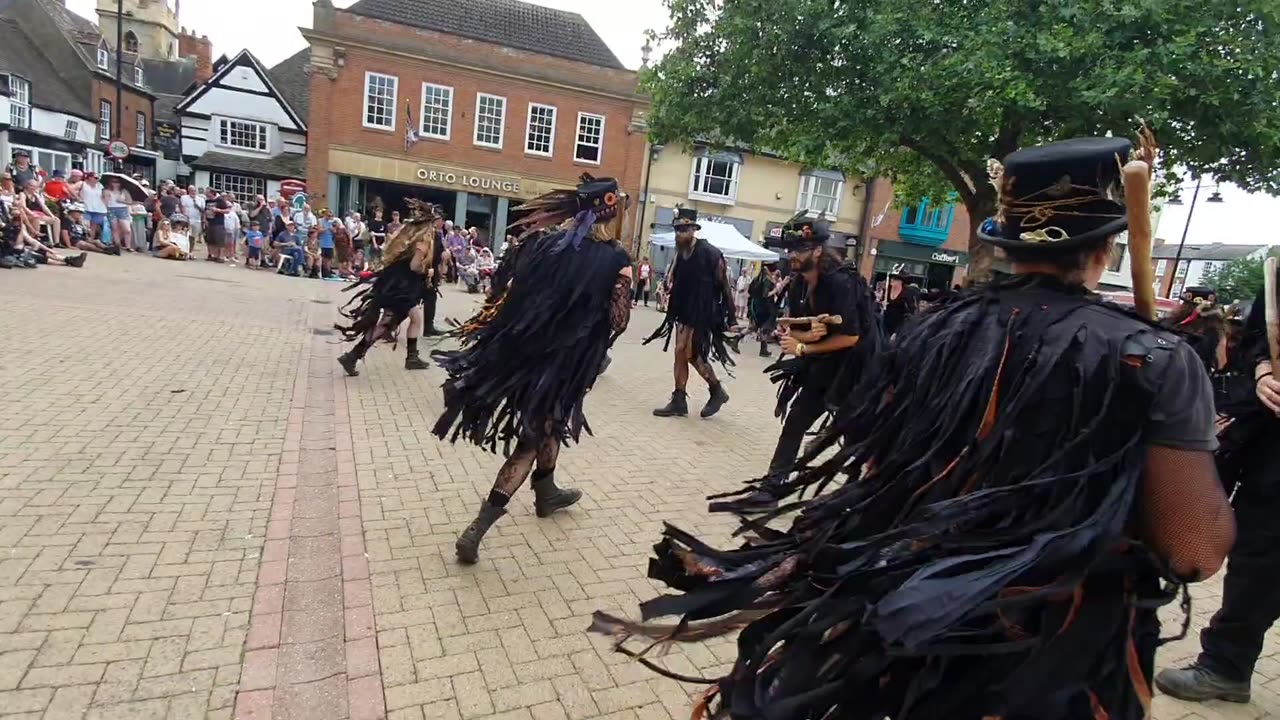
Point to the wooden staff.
(1136, 175)
(1273, 313)
(824, 319)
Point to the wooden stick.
(1273, 313)
(1136, 176)
(824, 319)
(1137, 195)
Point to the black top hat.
(1199, 292)
(686, 217)
(1059, 196)
(600, 195)
(802, 232)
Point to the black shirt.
(77, 231)
(838, 292)
(377, 229)
(169, 205)
(1182, 415)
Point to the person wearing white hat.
(77, 233)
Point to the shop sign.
(920, 253)
(946, 257)
(118, 149)
(164, 135)
(468, 181)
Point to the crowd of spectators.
(45, 217)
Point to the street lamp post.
(118, 115)
(1177, 257)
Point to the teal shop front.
(929, 267)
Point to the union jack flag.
(410, 134)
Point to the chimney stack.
(201, 50)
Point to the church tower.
(150, 27)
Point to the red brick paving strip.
(311, 651)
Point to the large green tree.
(1239, 279)
(925, 91)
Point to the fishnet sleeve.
(620, 304)
(1184, 514)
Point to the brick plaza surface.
(201, 518)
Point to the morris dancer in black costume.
(534, 350)
(827, 359)
(1019, 473)
(1248, 460)
(700, 313)
(397, 291)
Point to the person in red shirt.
(56, 188)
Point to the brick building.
(927, 243)
(504, 101)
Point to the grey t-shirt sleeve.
(1182, 416)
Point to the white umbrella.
(136, 191)
(726, 238)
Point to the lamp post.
(117, 115)
(1216, 197)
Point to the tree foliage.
(924, 91)
(1239, 279)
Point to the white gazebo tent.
(725, 237)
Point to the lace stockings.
(516, 469)
(684, 357)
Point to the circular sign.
(289, 188)
(118, 149)
(298, 200)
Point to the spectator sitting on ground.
(286, 246)
(357, 262)
(23, 240)
(8, 195)
(78, 234)
(173, 241)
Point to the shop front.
(477, 198)
(931, 268)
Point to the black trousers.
(807, 407)
(1251, 590)
(642, 291)
(429, 310)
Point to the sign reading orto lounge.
(468, 181)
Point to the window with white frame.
(491, 115)
(242, 134)
(138, 78)
(242, 186)
(590, 138)
(104, 57)
(380, 101)
(71, 130)
(1161, 265)
(19, 102)
(104, 119)
(140, 125)
(46, 160)
(437, 109)
(820, 194)
(715, 178)
(540, 134)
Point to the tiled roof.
(281, 166)
(1214, 251)
(19, 55)
(165, 108)
(293, 84)
(510, 23)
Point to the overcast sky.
(269, 28)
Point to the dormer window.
(130, 42)
(137, 76)
(104, 57)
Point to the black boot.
(549, 498)
(468, 545)
(718, 398)
(678, 407)
(1198, 683)
(764, 350)
(411, 359)
(348, 362)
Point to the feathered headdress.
(593, 200)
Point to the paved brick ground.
(200, 518)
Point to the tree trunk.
(981, 206)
